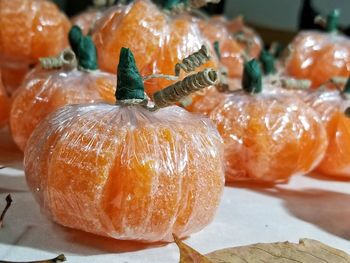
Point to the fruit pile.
(132, 120)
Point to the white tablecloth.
(306, 207)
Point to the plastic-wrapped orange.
(87, 19)
(29, 30)
(319, 56)
(331, 105)
(268, 137)
(124, 171)
(158, 40)
(236, 41)
(4, 105)
(46, 90)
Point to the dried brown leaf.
(307, 251)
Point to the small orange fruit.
(268, 137)
(44, 91)
(124, 171)
(319, 56)
(29, 30)
(158, 40)
(331, 106)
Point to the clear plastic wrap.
(318, 56)
(29, 30)
(128, 171)
(158, 40)
(87, 19)
(236, 41)
(331, 106)
(268, 138)
(4, 105)
(44, 91)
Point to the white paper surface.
(306, 207)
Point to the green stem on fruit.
(130, 85)
(84, 49)
(217, 49)
(332, 21)
(268, 62)
(252, 79)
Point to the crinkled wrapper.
(268, 137)
(44, 91)
(125, 172)
(29, 30)
(331, 106)
(232, 51)
(318, 56)
(157, 40)
(87, 19)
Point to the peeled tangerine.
(235, 42)
(319, 56)
(331, 106)
(29, 30)
(124, 171)
(4, 105)
(45, 90)
(268, 137)
(158, 40)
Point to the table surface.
(308, 207)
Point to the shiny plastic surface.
(4, 105)
(268, 137)
(44, 91)
(29, 30)
(219, 29)
(125, 172)
(157, 40)
(318, 56)
(87, 19)
(331, 106)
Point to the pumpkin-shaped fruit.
(319, 56)
(331, 104)
(29, 30)
(268, 137)
(4, 105)
(124, 171)
(158, 40)
(45, 90)
(236, 41)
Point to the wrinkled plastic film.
(331, 106)
(44, 91)
(126, 172)
(28, 30)
(157, 40)
(268, 138)
(318, 56)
